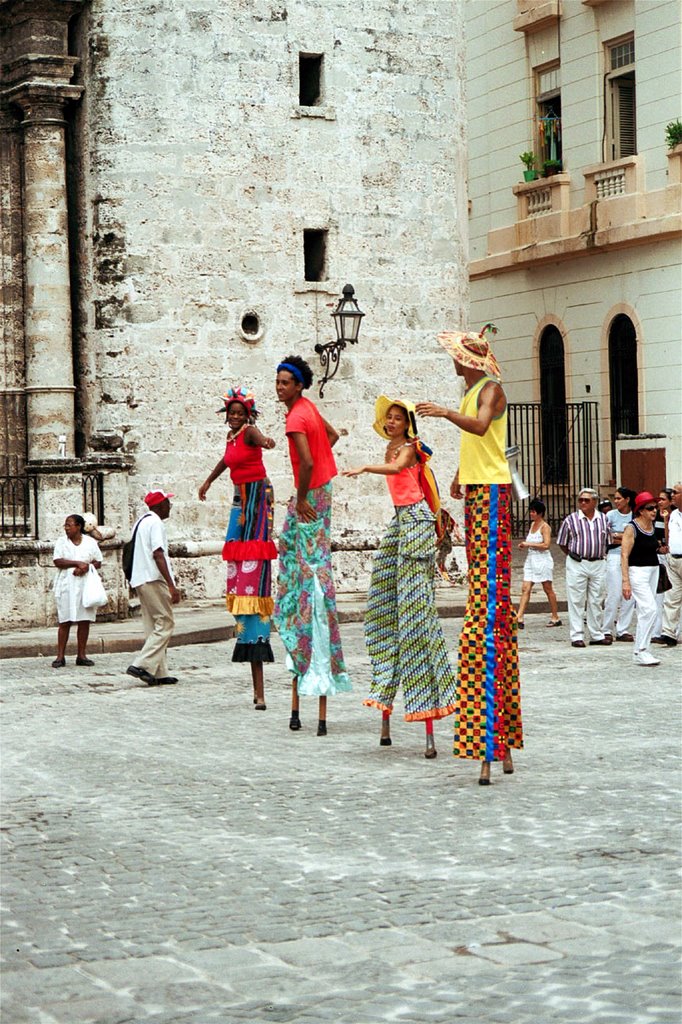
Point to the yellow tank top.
(482, 459)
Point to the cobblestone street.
(173, 857)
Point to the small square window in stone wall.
(315, 255)
(310, 79)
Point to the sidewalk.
(207, 621)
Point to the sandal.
(521, 624)
(59, 663)
(553, 623)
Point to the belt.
(582, 558)
(674, 556)
(600, 559)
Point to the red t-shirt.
(303, 418)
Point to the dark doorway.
(553, 405)
(623, 381)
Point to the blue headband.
(294, 370)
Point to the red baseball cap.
(156, 497)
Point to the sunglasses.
(587, 499)
(650, 508)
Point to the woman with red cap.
(639, 565)
(248, 549)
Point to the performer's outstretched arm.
(491, 404)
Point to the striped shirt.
(588, 538)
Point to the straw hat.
(381, 407)
(472, 350)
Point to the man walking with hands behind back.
(152, 578)
(584, 537)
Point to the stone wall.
(191, 173)
(203, 172)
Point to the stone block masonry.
(204, 172)
(188, 164)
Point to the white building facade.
(580, 269)
(186, 189)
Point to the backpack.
(128, 553)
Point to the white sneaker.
(645, 658)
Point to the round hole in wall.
(250, 326)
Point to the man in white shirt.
(153, 580)
(672, 602)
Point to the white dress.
(68, 589)
(539, 565)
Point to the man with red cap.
(153, 580)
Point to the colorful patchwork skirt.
(402, 630)
(305, 608)
(488, 691)
(248, 551)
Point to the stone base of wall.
(27, 576)
(26, 594)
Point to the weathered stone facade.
(191, 173)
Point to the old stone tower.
(186, 188)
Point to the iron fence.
(93, 495)
(559, 454)
(18, 506)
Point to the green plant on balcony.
(551, 167)
(528, 160)
(673, 133)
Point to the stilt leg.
(294, 721)
(430, 751)
(385, 740)
(258, 691)
(322, 723)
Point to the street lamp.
(347, 318)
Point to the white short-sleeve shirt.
(151, 535)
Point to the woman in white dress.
(73, 555)
(539, 564)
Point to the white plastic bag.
(94, 594)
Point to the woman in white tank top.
(539, 564)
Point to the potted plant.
(551, 167)
(673, 133)
(528, 160)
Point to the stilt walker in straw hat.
(488, 718)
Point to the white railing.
(610, 183)
(539, 201)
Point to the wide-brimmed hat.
(381, 407)
(472, 350)
(156, 497)
(644, 498)
(244, 396)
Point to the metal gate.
(559, 455)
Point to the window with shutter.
(620, 100)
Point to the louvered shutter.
(624, 121)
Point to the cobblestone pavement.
(173, 857)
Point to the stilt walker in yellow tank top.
(488, 718)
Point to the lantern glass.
(347, 316)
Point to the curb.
(126, 641)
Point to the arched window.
(553, 411)
(623, 380)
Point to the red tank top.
(405, 488)
(244, 461)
